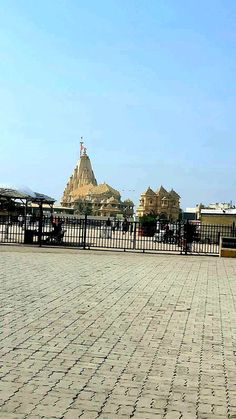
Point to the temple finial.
(83, 150)
(81, 146)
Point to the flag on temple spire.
(81, 146)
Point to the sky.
(150, 85)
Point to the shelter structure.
(26, 196)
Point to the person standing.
(108, 228)
(21, 220)
(189, 233)
(125, 226)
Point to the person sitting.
(57, 234)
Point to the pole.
(134, 238)
(40, 224)
(85, 231)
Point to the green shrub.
(148, 220)
(148, 224)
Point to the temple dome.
(104, 188)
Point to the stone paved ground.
(114, 335)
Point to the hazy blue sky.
(149, 84)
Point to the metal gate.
(89, 233)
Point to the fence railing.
(91, 233)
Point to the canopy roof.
(24, 193)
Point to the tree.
(181, 213)
(83, 207)
(148, 224)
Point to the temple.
(84, 194)
(162, 203)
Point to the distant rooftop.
(230, 211)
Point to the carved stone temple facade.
(82, 188)
(161, 202)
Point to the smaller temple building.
(162, 203)
(85, 195)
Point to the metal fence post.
(85, 231)
(25, 214)
(233, 228)
(134, 238)
(40, 224)
(185, 238)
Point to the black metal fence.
(88, 233)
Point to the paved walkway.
(114, 335)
